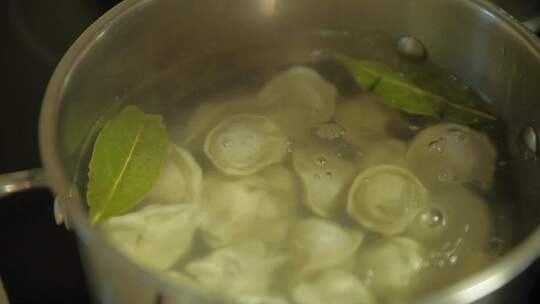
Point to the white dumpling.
(179, 181)
(333, 287)
(391, 265)
(298, 99)
(386, 199)
(209, 114)
(325, 178)
(385, 151)
(256, 207)
(244, 144)
(318, 244)
(365, 120)
(456, 227)
(156, 236)
(450, 153)
(240, 270)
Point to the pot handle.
(533, 24)
(20, 181)
(11, 183)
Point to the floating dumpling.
(256, 207)
(365, 120)
(244, 144)
(298, 99)
(236, 271)
(318, 244)
(179, 181)
(209, 114)
(386, 198)
(385, 151)
(391, 265)
(333, 287)
(325, 177)
(451, 153)
(155, 237)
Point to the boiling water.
(353, 202)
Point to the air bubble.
(457, 135)
(320, 55)
(226, 143)
(321, 161)
(413, 127)
(453, 259)
(446, 176)
(437, 146)
(441, 263)
(497, 245)
(329, 131)
(432, 218)
(411, 48)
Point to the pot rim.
(467, 290)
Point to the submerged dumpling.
(179, 181)
(391, 265)
(325, 177)
(450, 153)
(256, 207)
(386, 198)
(237, 271)
(298, 99)
(156, 236)
(333, 287)
(318, 244)
(244, 144)
(454, 214)
(456, 226)
(385, 151)
(365, 120)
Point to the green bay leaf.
(399, 91)
(126, 161)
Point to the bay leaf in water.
(394, 88)
(126, 161)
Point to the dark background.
(39, 262)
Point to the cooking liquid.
(442, 264)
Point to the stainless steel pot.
(157, 53)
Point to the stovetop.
(39, 261)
